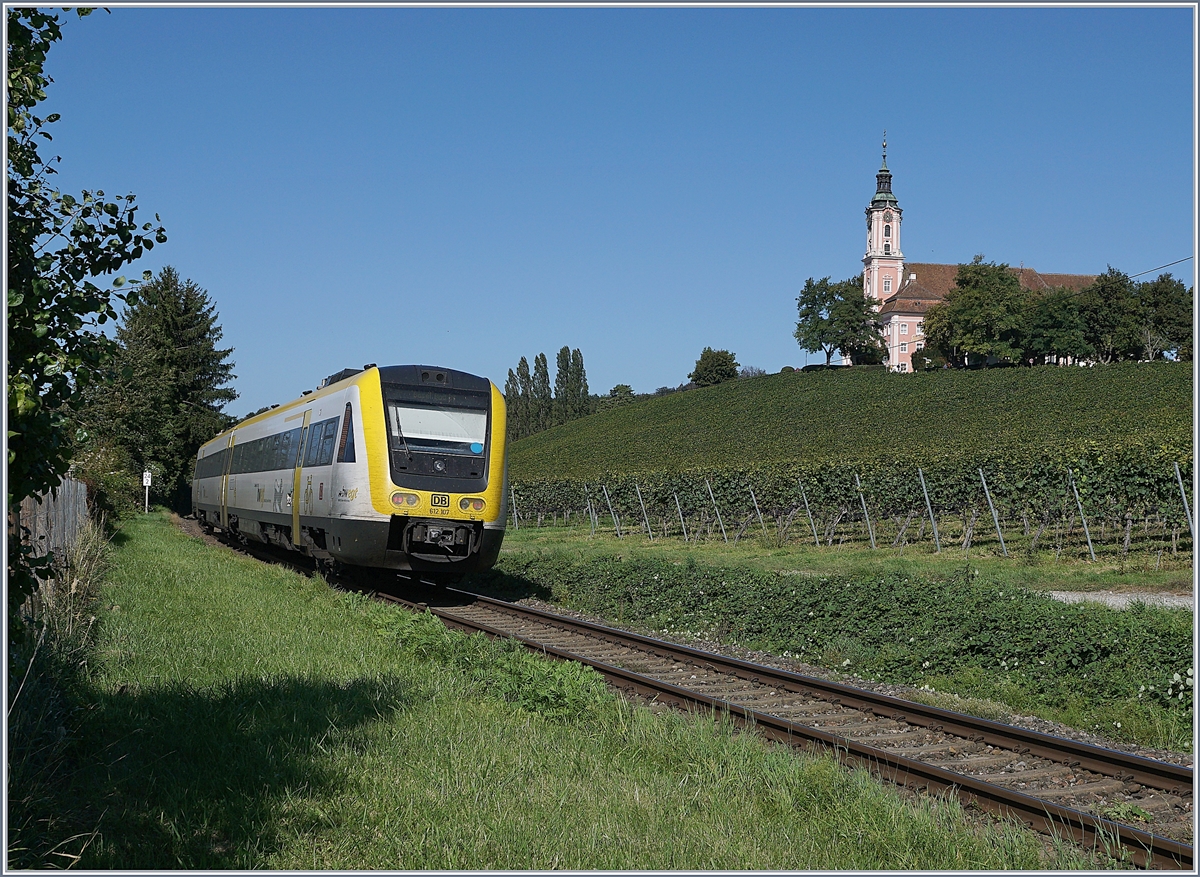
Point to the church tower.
(883, 264)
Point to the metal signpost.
(146, 484)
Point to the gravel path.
(1119, 600)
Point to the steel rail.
(1146, 849)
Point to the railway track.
(1071, 789)
(1076, 790)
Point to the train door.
(296, 495)
(317, 493)
(224, 489)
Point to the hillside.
(861, 414)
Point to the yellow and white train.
(401, 467)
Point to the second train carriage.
(400, 467)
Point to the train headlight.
(471, 503)
(400, 498)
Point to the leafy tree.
(57, 245)
(984, 315)
(579, 386)
(1056, 327)
(525, 415)
(838, 317)
(622, 393)
(541, 402)
(1167, 318)
(714, 367)
(1113, 316)
(563, 392)
(171, 382)
(751, 371)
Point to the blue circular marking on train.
(476, 448)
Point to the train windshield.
(438, 429)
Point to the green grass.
(239, 715)
(937, 623)
(865, 414)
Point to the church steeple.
(883, 262)
(883, 180)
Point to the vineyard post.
(811, 522)
(754, 500)
(1186, 511)
(1082, 517)
(929, 507)
(512, 492)
(645, 517)
(715, 506)
(616, 526)
(995, 517)
(863, 499)
(590, 511)
(679, 509)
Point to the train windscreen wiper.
(400, 432)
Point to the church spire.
(883, 180)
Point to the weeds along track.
(1073, 789)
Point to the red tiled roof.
(934, 281)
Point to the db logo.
(440, 500)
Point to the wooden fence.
(53, 524)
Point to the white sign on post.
(146, 484)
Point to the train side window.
(327, 440)
(345, 452)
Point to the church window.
(904, 347)
(920, 345)
(887, 285)
(887, 248)
(904, 328)
(887, 231)
(904, 366)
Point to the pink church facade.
(904, 292)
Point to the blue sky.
(462, 187)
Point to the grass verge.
(243, 716)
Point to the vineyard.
(1075, 460)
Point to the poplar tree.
(542, 402)
(512, 401)
(580, 399)
(564, 391)
(525, 408)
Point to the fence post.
(811, 522)
(616, 526)
(645, 517)
(863, 499)
(718, 510)
(929, 507)
(679, 509)
(995, 517)
(512, 492)
(754, 500)
(1186, 510)
(1079, 505)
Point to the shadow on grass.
(201, 779)
(493, 583)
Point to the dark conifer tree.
(170, 382)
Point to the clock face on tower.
(887, 216)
